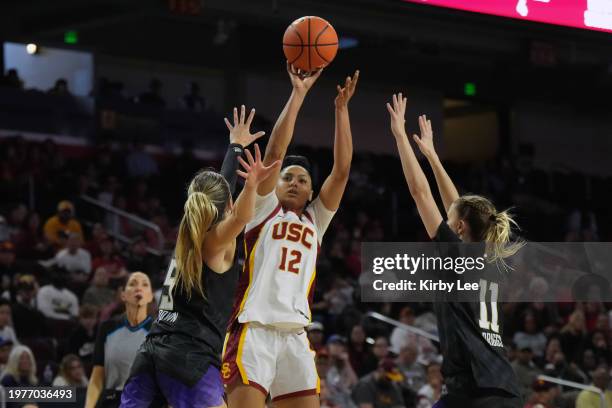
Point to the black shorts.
(482, 399)
(182, 358)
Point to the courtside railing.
(576, 385)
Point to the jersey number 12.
(484, 321)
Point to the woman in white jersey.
(266, 348)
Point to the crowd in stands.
(62, 269)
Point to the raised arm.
(333, 187)
(447, 189)
(417, 182)
(283, 129)
(244, 208)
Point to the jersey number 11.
(484, 322)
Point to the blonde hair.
(489, 226)
(207, 197)
(12, 365)
(64, 369)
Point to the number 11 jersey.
(281, 248)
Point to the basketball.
(310, 43)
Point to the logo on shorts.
(226, 370)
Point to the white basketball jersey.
(280, 266)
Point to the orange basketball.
(310, 43)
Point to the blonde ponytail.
(208, 195)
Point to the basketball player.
(476, 371)
(180, 358)
(266, 350)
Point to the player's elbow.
(420, 194)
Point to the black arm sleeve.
(230, 165)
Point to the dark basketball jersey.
(471, 337)
(200, 318)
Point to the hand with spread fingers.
(346, 92)
(240, 132)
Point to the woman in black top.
(476, 370)
(180, 360)
(117, 343)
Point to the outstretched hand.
(240, 132)
(302, 81)
(346, 93)
(425, 142)
(254, 171)
(398, 112)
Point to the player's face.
(137, 290)
(294, 188)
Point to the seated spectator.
(381, 388)
(54, 300)
(193, 101)
(315, 336)
(60, 88)
(110, 260)
(9, 266)
(362, 359)
(71, 373)
(82, 340)
(340, 376)
(76, 260)
(31, 244)
(411, 369)
(543, 395)
(58, 227)
(139, 259)
(401, 337)
(573, 336)
(589, 362)
(324, 396)
(20, 370)
(530, 337)
(98, 234)
(152, 97)
(6, 346)
(599, 344)
(589, 399)
(563, 369)
(381, 348)
(430, 392)
(12, 80)
(99, 294)
(525, 369)
(6, 330)
(29, 322)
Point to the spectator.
(71, 373)
(340, 377)
(589, 399)
(31, 243)
(16, 221)
(362, 359)
(381, 348)
(54, 300)
(530, 337)
(411, 369)
(430, 392)
(99, 294)
(400, 337)
(6, 331)
(110, 260)
(139, 259)
(20, 369)
(599, 344)
(153, 96)
(60, 88)
(9, 266)
(29, 322)
(324, 396)
(82, 340)
(75, 259)
(543, 396)
(12, 80)
(315, 336)
(58, 227)
(589, 362)
(98, 234)
(6, 346)
(525, 369)
(193, 101)
(573, 336)
(380, 389)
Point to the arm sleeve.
(230, 165)
(445, 234)
(321, 215)
(98, 355)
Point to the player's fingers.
(228, 124)
(417, 140)
(429, 126)
(273, 166)
(347, 82)
(242, 113)
(390, 109)
(355, 79)
(244, 164)
(242, 174)
(404, 103)
(258, 135)
(394, 102)
(250, 118)
(235, 116)
(257, 153)
(249, 157)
